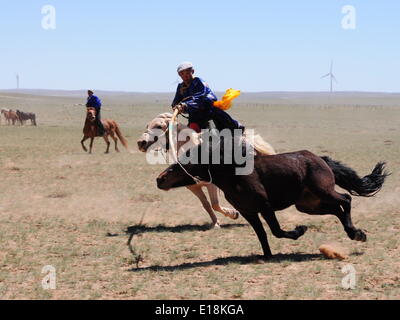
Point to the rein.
(197, 180)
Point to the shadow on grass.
(356, 254)
(177, 229)
(253, 259)
(138, 229)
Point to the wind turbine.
(331, 75)
(17, 77)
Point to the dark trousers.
(99, 124)
(223, 120)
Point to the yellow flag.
(226, 102)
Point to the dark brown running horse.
(280, 181)
(111, 128)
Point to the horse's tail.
(121, 137)
(349, 180)
(34, 120)
(260, 145)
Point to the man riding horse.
(195, 98)
(94, 102)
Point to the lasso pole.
(171, 140)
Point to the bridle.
(167, 149)
(197, 179)
(89, 114)
(150, 132)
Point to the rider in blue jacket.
(94, 102)
(195, 98)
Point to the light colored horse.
(149, 137)
(3, 113)
(11, 116)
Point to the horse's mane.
(260, 145)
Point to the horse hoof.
(215, 226)
(236, 215)
(231, 213)
(360, 236)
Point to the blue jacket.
(94, 102)
(199, 100)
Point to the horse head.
(91, 114)
(154, 129)
(158, 127)
(175, 176)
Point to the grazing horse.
(3, 112)
(149, 137)
(11, 116)
(90, 130)
(24, 116)
(280, 181)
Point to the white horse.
(149, 137)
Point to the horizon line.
(15, 90)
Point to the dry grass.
(62, 207)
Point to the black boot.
(100, 128)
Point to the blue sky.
(248, 45)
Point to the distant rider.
(94, 102)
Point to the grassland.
(62, 207)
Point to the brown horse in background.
(111, 128)
(11, 116)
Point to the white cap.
(184, 66)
